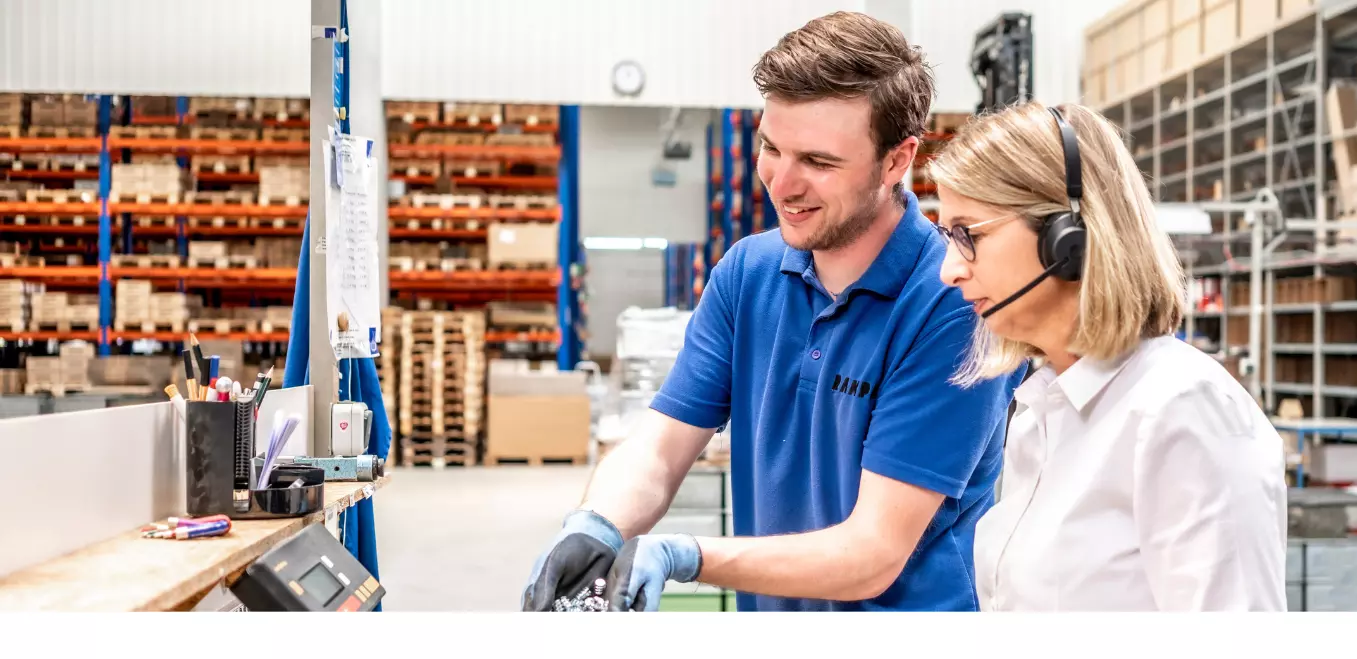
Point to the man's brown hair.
(850, 55)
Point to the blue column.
(567, 299)
(105, 225)
(727, 180)
(180, 222)
(711, 198)
(747, 180)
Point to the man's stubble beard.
(830, 237)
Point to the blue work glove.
(580, 553)
(645, 563)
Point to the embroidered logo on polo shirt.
(850, 387)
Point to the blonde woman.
(1138, 474)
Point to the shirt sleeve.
(1209, 502)
(926, 431)
(697, 389)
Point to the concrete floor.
(465, 539)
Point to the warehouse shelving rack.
(739, 205)
(1235, 124)
(116, 221)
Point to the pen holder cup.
(220, 473)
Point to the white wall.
(618, 148)
(695, 53)
(156, 47)
(617, 280)
(947, 36)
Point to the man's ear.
(898, 161)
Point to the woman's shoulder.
(1172, 377)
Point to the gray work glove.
(580, 553)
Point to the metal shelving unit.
(1219, 134)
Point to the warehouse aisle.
(465, 539)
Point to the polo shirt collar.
(893, 265)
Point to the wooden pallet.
(269, 326)
(12, 325)
(144, 197)
(63, 325)
(223, 326)
(21, 260)
(144, 260)
(413, 111)
(57, 390)
(224, 134)
(281, 109)
(11, 195)
(432, 454)
(73, 163)
(145, 132)
(60, 132)
(59, 196)
(472, 168)
(417, 166)
(10, 131)
(285, 135)
(520, 139)
(523, 265)
(522, 202)
(411, 264)
(228, 198)
(218, 164)
(535, 461)
(292, 200)
(444, 201)
(148, 326)
(224, 262)
(450, 137)
(148, 221)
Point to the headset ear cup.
(1062, 238)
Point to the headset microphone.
(1024, 290)
(1060, 245)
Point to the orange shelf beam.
(167, 120)
(90, 228)
(410, 213)
(45, 208)
(63, 144)
(512, 182)
(449, 234)
(169, 337)
(228, 177)
(152, 145)
(206, 210)
(482, 281)
(482, 126)
(526, 153)
(86, 335)
(534, 337)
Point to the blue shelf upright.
(747, 174)
(728, 200)
(105, 224)
(569, 253)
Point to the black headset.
(1063, 237)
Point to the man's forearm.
(634, 485)
(836, 563)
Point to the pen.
(198, 355)
(213, 363)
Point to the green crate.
(696, 602)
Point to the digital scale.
(311, 571)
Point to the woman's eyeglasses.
(960, 234)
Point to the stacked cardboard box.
(69, 371)
(169, 309)
(12, 381)
(49, 309)
(283, 185)
(131, 304)
(80, 111)
(1310, 290)
(282, 109)
(14, 305)
(536, 414)
(277, 252)
(520, 244)
(46, 110)
(148, 182)
(11, 109)
(154, 106)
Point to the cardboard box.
(537, 427)
(522, 243)
(519, 377)
(1294, 8)
(1184, 12)
(1257, 17)
(1220, 26)
(1185, 45)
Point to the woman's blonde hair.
(1132, 286)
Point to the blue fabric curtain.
(358, 382)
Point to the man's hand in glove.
(643, 566)
(580, 553)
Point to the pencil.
(188, 375)
(198, 355)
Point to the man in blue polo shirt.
(858, 469)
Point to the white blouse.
(1153, 482)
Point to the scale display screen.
(320, 584)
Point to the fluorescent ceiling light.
(619, 243)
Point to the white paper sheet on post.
(351, 284)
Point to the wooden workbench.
(131, 573)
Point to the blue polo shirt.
(817, 390)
